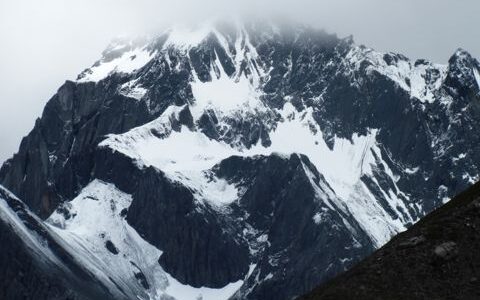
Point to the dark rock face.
(197, 249)
(435, 259)
(111, 247)
(280, 204)
(55, 159)
(287, 217)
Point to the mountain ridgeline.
(241, 160)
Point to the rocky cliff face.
(244, 154)
(435, 259)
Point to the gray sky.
(43, 43)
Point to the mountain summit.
(226, 161)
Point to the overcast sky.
(43, 43)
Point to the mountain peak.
(462, 57)
(464, 70)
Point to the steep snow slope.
(120, 57)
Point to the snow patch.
(411, 171)
(459, 157)
(224, 94)
(185, 37)
(317, 218)
(133, 90)
(205, 186)
(184, 292)
(128, 62)
(442, 193)
(477, 76)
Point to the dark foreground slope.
(438, 258)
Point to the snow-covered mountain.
(226, 161)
